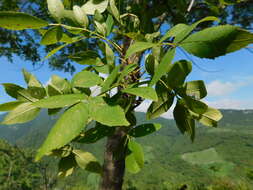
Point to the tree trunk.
(114, 162)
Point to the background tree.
(109, 38)
(25, 44)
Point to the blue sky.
(229, 78)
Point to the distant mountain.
(223, 153)
(35, 131)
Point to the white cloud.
(231, 104)
(218, 88)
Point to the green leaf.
(54, 51)
(144, 92)
(135, 160)
(21, 114)
(178, 72)
(94, 134)
(32, 93)
(165, 101)
(105, 69)
(87, 161)
(60, 84)
(187, 30)
(52, 90)
(210, 117)
(92, 5)
(9, 106)
(101, 28)
(195, 89)
(12, 89)
(60, 101)
(174, 31)
(195, 105)
(163, 67)
(145, 129)
(81, 16)
(151, 64)
(31, 80)
(68, 126)
(25, 95)
(66, 166)
(114, 10)
(109, 55)
(138, 47)
(52, 36)
(20, 21)
(86, 79)
(88, 57)
(98, 17)
(217, 41)
(109, 25)
(183, 120)
(110, 79)
(106, 112)
(56, 9)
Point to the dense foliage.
(163, 155)
(137, 67)
(172, 12)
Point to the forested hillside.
(219, 159)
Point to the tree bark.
(114, 161)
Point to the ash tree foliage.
(25, 43)
(129, 81)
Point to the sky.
(229, 78)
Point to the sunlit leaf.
(12, 89)
(163, 67)
(106, 112)
(92, 5)
(20, 21)
(60, 101)
(31, 80)
(68, 126)
(60, 84)
(86, 79)
(52, 36)
(135, 160)
(210, 117)
(187, 30)
(217, 41)
(195, 89)
(109, 25)
(138, 47)
(80, 16)
(56, 9)
(9, 106)
(87, 161)
(21, 114)
(110, 79)
(144, 92)
(114, 10)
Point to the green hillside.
(219, 159)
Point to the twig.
(190, 5)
